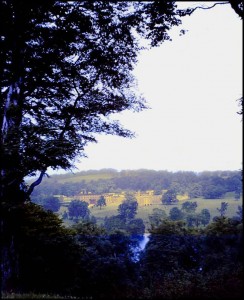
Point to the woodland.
(65, 67)
(208, 184)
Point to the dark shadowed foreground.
(86, 262)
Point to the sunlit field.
(144, 211)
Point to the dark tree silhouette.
(52, 203)
(101, 202)
(235, 4)
(128, 208)
(223, 208)
(175, 214)
(205, 216)
(238, 7)
(169, 197)
(189, 207)
(78, 209)
(65, 67)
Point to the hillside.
(81, 176)
(205, 184)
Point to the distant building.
(89, 198)
(62, 198)
(114, 198)
(143, 198)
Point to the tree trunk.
(12, 193)
(10, 185)
(9, 266)
(9, 254)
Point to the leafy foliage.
(205, 216)
(223, 208)
(78, 209)
(177, 261)
(125, 221)
(188, 263)
(52, 204)
(39, 243)
(189, 207)
(105, 181)
(240, 212)
(175, 214)
(128, 208)
(135, 227)
(169, 197)
(157, 217)
(65, 68)
(114, 223)
(101, 202)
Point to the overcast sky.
(191, 85)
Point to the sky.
(191, 85)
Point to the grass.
(144, 211)
(213, 204)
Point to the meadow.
(144, 211)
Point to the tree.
(135, 227)
(189, 207)
(78, 209)
(113, 224)
(170, 248)
(223, 208)
(157, 217)
(195, 190)
(175, 214)
(46, 252)
(169, 197)
(240, 212)
(128, 208)
(65, 67)
(205, 216)
(213, 191)
(192, 220)
(191, 263)
(101, 202)
(237, 6)
(52, 203)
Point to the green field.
(144, 211)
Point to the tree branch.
(69, 118)
(35, 183)
(238, 7)
(189, 11)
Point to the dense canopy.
(65, 68)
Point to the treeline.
(93, 262)
(209, 185)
